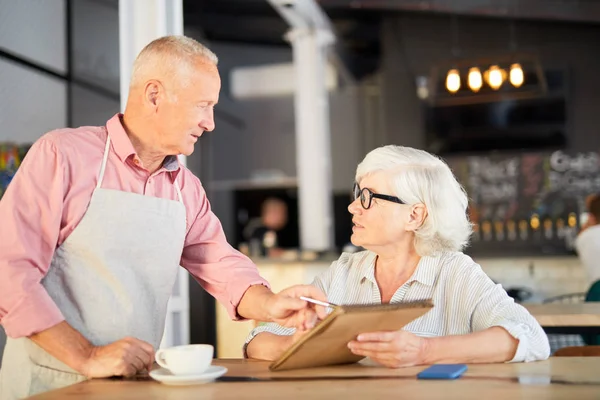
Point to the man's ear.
(152, 93)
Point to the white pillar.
(140, 22)
(311, 36)
(313, 151)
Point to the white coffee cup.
(191, 359)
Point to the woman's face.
(385, 222)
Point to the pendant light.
(475, 80)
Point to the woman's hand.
(391, 349)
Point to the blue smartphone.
(443, 371)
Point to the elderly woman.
(409, 213)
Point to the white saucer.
(165, 376)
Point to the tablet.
(327, 342)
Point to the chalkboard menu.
(526, 204)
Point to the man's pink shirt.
(49, 196)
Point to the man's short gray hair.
(417, 176)
(171, 52)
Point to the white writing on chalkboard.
(493, 181)
(496, 192)
(573, 182)
(574, 174)
(494, 171)
(581, 162)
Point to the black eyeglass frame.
(358, 192)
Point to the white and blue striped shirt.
(465, 299)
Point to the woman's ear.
(418, 214)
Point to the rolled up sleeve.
(221, 270)
(493, 307)
(31, 212)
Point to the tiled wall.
(545, 276)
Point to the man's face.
(187, 110)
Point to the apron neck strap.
(103, 168)
(104, 158)
(179, 196)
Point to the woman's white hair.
(417, 176)
(171, 53)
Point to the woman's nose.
(355, 207)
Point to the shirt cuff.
(519, 332)
(237, 292)
(35, 312)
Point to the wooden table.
(578, 318)
(556, 378)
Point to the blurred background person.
(262, 233)
(587, 242)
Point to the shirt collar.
(426, 272)
(124, 148)
(368, 266)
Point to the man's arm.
(222, 271)
(31, 212)
(233, 279)
(125, 357)
(284, 308)
(269, 341)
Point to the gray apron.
(111, 278)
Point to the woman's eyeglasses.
(366, 197)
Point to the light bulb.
(453, 81)
(516, 76)
(475, 80)
(495, 76)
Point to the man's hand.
(391, 349)
(286, 309)
(126, 357)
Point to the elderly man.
(96, 223)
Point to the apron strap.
(103, 167)
(178, 191)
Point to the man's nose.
(208, 124)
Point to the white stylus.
(318, 302)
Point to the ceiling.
(257, 22)
(562, 10)
(357, 22)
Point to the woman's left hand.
(391, 349)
